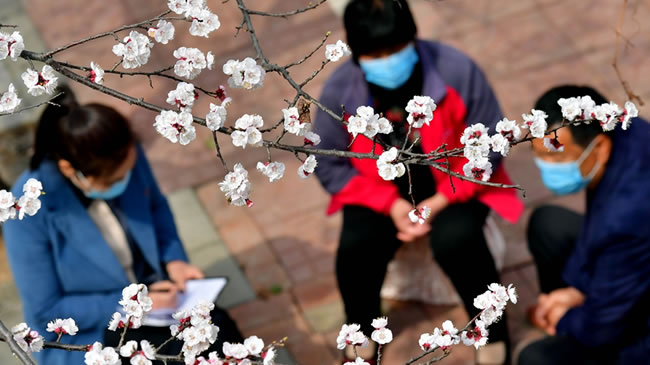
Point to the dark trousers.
(552, 235)
(368, 242)
(228, 331)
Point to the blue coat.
(611, 261)
(64, 268)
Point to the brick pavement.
(284, 244)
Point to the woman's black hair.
(582, 134)
(373, 25)
(94, 138)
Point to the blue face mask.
(393, 71)
(564, 178)
(112, 192)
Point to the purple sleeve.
(332, 172)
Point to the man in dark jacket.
(389, 67)
(594, 270)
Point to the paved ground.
(285, 245)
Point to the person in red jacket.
(388, 68)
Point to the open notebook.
(195, 290)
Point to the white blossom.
(11, 45)
(96, 73)
(216, 117)
(344, 333)
(269, 356)
(247, 132)
(9, 100)
(163, 32)
(570, 108)
(28, 340)
(426, 341)
(357, 361)
(308, 167)
(420, 110)
(183, 96)
(478, 169)
(474, 134)
(7, 199)
(254, 345)
(142, 357)
(26, 205)
(386, 166)
(135, 301)
(63, 326)
(204, 22)
(509, 129)
(553, 144)
(368, 123)
(382, 336)
(630, 111)
(176, 127)
(98, 355)
(420, 215)
(237, 187)
(191, 61)
(209, 59)
(536, 122)
(236, 350)
(292, 123)
(246, 74)
(134, 49)
(312, 138)
(512, 294)
(380, 322)
(357, 125)
(477, 337)
(39, 83)
(500, 144)
(334, 52)
(273, 170)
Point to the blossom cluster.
(28, 340)
(11, 45)
(63, 327)
(134, 49)
(387, 167)
(308, 167)
(163, 32)
(237, 187)
(294, 125)
(584, 109)
(29, 203)
(196, 330)
(142, 356)
(350, 334)
(273, 170)
(252, 348)
(493, 302)
(245, 74)
(39, 83)
(477, 148)
(183, 97)
(176, 127)
(135, 303)
(204, 21)
(247, 132)
(191, 61)
(440, 338)
(420, 215)
(420, 110)
(98, 355)
(368, 123)
(9, 100)
(334, 52)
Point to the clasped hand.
(408, 231)
(164, 293)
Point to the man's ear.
(603, 148)
(66, 168)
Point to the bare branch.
(7, 336)
(34, 106)
(626, 86)
(286, 14)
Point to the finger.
(197, 273)
(162, 285)
(405, 237)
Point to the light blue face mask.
(564, 178)
(393, 71)
(112, 192)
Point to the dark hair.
(372, 25)
(582, 134)
(94, 138)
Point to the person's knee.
(540, 227)
(533, 354)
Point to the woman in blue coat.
(103, 224)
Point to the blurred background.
(280, 253)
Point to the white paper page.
(195, 291)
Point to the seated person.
(594, 270)
(388, 68)
(103, 224)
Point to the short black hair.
(582, 133)
(373, 25)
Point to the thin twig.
(288, 13)
(626, 86)
(322, 42)
(50, 102)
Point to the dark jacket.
(611, 261)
